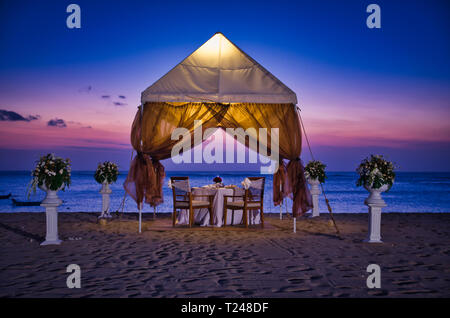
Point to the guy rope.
(321, 184)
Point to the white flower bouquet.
(106, 172)
(52, 173)
(246, 183)
(315, 169)
(375, 172)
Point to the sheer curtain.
(151, 137)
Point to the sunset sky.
(75, 92)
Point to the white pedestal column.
(315, 192)
(51, 204)
(374, 235)
(375, 203)
(105, 192)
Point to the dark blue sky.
(413, 40)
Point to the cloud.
(77, 123)
(30, 118)
(6, 115)
(104, 95)
(57, 123)
(85, 89)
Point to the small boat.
(5, 196)
(25, 203)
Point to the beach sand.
(116, 261)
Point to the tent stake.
(295, 225)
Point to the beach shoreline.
(231, 262)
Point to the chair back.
(180, 188)
(256, 189)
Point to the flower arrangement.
(106, 172)
(217, 179)
(52, 172)
(246, 183)
(315, 169)
(375, 172)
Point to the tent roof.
(218, 71)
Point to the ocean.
(412, 192)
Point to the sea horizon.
(421, 192)
(239, 171)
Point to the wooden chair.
(252, 200)
(184, 199)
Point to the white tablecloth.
(201, 216)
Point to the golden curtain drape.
(151, 136)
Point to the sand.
(116, 261)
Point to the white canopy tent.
(220, 72)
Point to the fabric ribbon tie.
(301, 196)
(145, 180)
(280, 184)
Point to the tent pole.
(154, 213)
(281, 210)
(140, 218)
(281, 205)
(295, 225)
(142, 203)
(286, 204)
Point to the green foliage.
(51, 171)
(106, 171)
(315, 169)
(375, 172)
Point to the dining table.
(234, 217)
